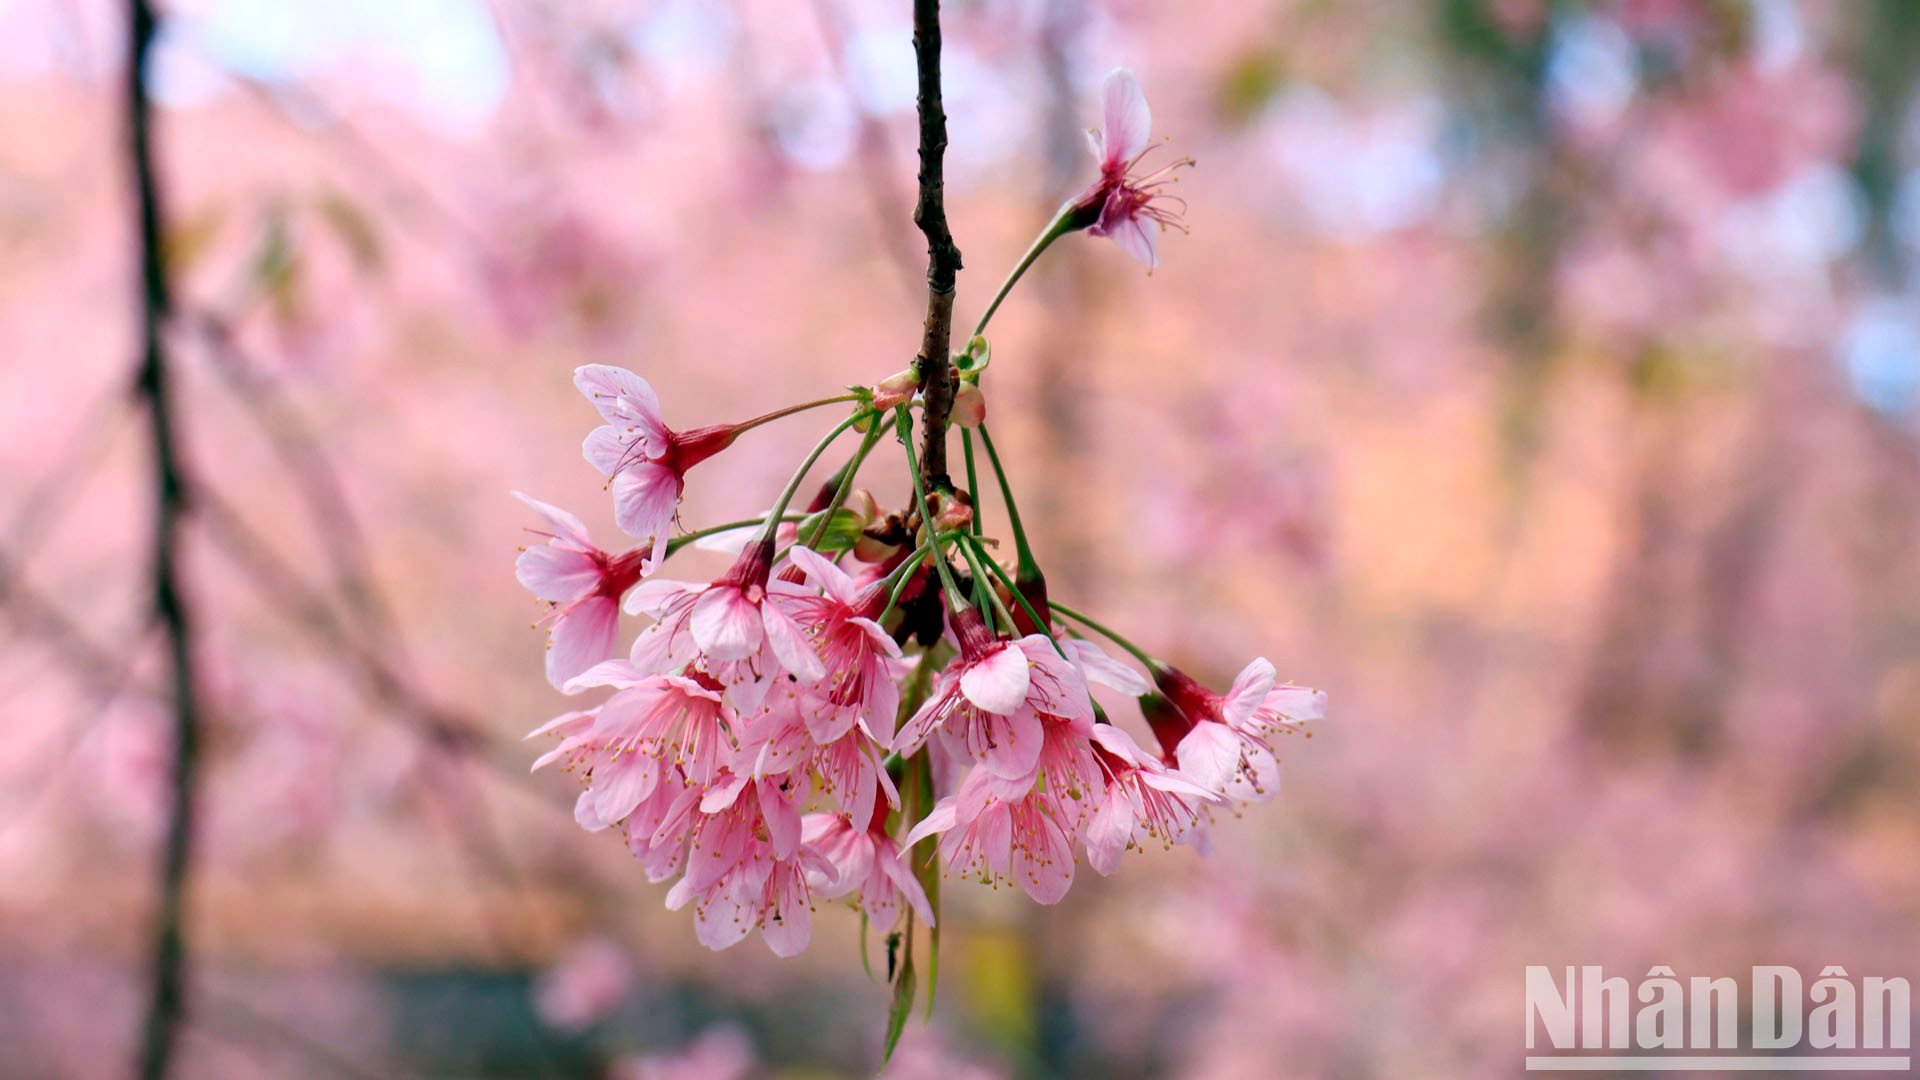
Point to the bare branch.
(167, 1004)
(943, 257)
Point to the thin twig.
(937, 384)
(316, 480)
(167, 1005)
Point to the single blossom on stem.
(1127, 204)
(646, 461)
(1225, 742)
(583, 584)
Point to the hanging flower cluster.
(863, 679)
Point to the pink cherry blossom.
(864, 863)
(646, 461)
(1142, 798)
(583, 584)
(746, 868)
(1228, 743)
(653, 722)
(862, 662)
(1026, 840)
(1125, 204)
(739, 626)
(992, 697)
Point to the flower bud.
(896, 389)
(956, 511)
(862, 503)
(969, 406)
(881, 540)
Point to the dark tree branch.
(943, 257)
(167, 1004)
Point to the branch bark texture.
(167, 1002)
(943, 256)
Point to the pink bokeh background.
(1538, 380)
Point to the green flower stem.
(904, 425)
(1028, 567)
(973, 481)
(791, 409)
(899, 578)
(793, 485)
(1055, 229)
(1018, 596)
(981, 585)
(679, 542)
(847, 472)
(1138, 653)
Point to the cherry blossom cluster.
(864, 678)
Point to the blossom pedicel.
(863, 678)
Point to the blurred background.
(1541, 379)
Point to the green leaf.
(841, 532)
(903, 988)
(866, 962)
(932, 885)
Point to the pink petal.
(902, 877)
(1099, 667)
(992, 835)
(1126, 122)
(584, 814)
(606, 450)
(645, 498)
(565, 723)
(782, 812)
(1176, 783)
(582, 637)
(938, 820)
(620, 784)
(1058, 688)
(1044, 865)
(1118, 743)
(624, 400)
(1210, 754)
(997, 682)
(556, 574)
(617, 673)
(824, 575)
(787, 925)
(726, 624)
(565, 526)
(1250, 688)
(722, 794)
(1135, 236)
(1110, 831)
(722, 921)
(790, 645)
(1008, 746)
(1295, 704)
